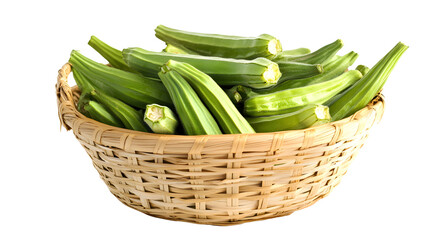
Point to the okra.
(194, 116)
(229, 118)
(131, 88)
(362, 69)
(277, 102)
(130, 117)
(234, 95)
(82, 82)
(221, 45)
(297, 51)
(112, 55)
(295, 70)
(256, 73)
(178, 50)
(160, 119)
(99, 113)
(85, 88)
(331, 70)
(363, 91)
(320, 56)
(305, 117)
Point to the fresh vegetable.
(277, 102)
(256, 73)
(130, 88)
(363, 91)
(98, 112)
(234, 95)
(295, 70)
(161, 119)
(112, 55)
(221, 45)
(81, 81)
(170, 48)
(130, 117)
(229, 118)
(331, 70)
(297, 51)
(321, 56)
(304, 117)
(362, 69)
(194, 116)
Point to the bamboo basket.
(218, 179)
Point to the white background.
(50, 190)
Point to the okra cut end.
(274, 46)
(160, 119)
(322, 113)
(272, 74)
(154, 113)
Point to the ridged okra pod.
(362, 69)
(305, 117)
(295, 70)
(320, 56)
(131, 88)
(111, 54)
(85, 88)
(221, 45)
(363, 91)
(277, 102)
(256, 73)
(99, 113)
(331, 70)
(170, 48)
(194, 116)
(161, 119)
(130, 117)
(297, 51)
(226, 114)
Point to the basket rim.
(65, 71)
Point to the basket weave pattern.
(218, 179)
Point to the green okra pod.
(320, 56)
(363, 69)
(193, 114)
(256, 73)
(112, 55)
(277, 102)
(304, 117)
(331, 70)
(297, 51)
(363, 91)
(130, 117)
(99, 113)
(131, 88)
(229, 118)
(296, 70)
(170, 48)
(221, 45)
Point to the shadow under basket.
(218, 179)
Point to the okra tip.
(93, 39)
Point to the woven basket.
(218, 179)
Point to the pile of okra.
(206, 84)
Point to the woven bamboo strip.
(218, 179)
